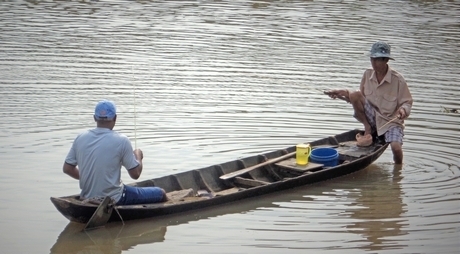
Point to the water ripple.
(198, 83)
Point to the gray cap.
(380, 49)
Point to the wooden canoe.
(234, 180)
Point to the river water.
(203, 82)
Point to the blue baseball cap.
(380, 49)
(105, 111)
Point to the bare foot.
(367, 131)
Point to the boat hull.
(184, 188)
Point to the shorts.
(141, 195)
(394, 134)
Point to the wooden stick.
(392, 120)
(245, 170)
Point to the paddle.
(101, 215)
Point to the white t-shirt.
(99, 154)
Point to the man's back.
(100, 153)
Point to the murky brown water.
(203, 82)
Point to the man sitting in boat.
(96, 157)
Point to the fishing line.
(134, 106)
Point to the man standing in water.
(96, 158)
(382, 102)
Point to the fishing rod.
(134, 106)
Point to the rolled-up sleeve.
(404, 97)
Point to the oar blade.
(101, 215)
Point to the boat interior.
(268, 168)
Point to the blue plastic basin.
(327, 156)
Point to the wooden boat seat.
(227, 192)
(248, 182)
(293, 167)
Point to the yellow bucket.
(302, 153)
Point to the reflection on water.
(116, 237)
(109, 239)
(378, 210)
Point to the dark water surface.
(203, 82)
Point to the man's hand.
(402, 113)
(340, 94)
(139, 154)
(135, 173)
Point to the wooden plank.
(271, 161)
(291, 164)
(249, 182)
(102, 214)
(245, 170)
(227, 191)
